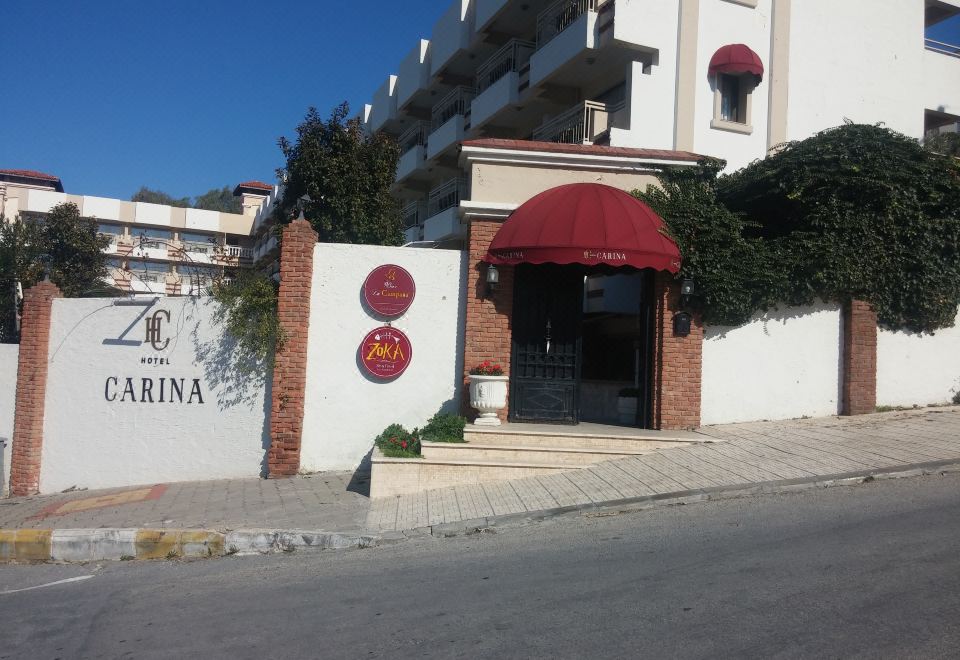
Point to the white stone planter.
(488, 394)
(627, 409)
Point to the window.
(149, 271)
(732, 98)
(112, 231)
(162, 237)
(197, 243)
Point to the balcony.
(239, 253)
(941, 70)
(383, 110)
(450, 121)
(499, 81)
(413, 150)
(412, 216)
(581, 124)
(414, 78)
(451, 35)
(443, 211)
(567, 31)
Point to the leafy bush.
(444, 427)
(397, 442)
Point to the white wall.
(723, 23)
(8, 391)
(856, 59)
(781, 365)
(345, 409)
(93, 442)
(917, 369)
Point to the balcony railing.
(561, 15)
(239, 252)
(415, 136)
(581, 124)
(412, 214)
(514, 55)
(940, 47)
(457, 102)
(446, 195)
(197, 248)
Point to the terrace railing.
(415, 136)
(411, 214)
(457, 102)
(512, 57)
(940, 47)
(581, 124)
(446, 195)
(559, 16)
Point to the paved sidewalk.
(325, 501)
(752, 458)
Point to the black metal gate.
(545, 373)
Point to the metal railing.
(561, 15)
(415, 136)
(457, 102)
(197, 248)
(940, 47)
(514, 54)
(412, 214)
(581, 124)
(446, 195)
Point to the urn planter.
(488, 394)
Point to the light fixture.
(493, 279)
(686, 288)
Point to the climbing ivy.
(853, 212)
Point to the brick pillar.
(859, 358)
(31, 389)
(290, 363)
(488, 331)
(678, 361)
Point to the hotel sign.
(385, 352)
(389, 290)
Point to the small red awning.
(736, 58)
(585, 223)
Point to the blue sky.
(186, 95)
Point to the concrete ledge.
(82, 545)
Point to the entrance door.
(545, 374)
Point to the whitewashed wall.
(918, 369)
(344, 409)
(95, 442)
(8, 391)
(781, 365)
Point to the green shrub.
(444, 427)
(397, 442)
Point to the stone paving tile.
(593, 486)
(478, 503)
(503, 498)
(626, 484)
(738, 452)
(562, 489)
(685, 476)
(533, 495)
(648, 474)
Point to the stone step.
(531, 455)
(639, 441)
(390, 477)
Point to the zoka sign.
(385, 352)
(153, 387)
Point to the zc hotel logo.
(152, 388)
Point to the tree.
(342, 176)
(63, 244)
(218, 199)
(158, 197)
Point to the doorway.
(581, 337)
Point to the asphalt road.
(871, 571)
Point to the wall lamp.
(682, 320)
(492, 279)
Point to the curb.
(82, 545)
(626, 505)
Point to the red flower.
(404, 444)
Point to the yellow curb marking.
(25, 544)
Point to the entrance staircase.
(514, 451)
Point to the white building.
(153, 248)
(724, 78)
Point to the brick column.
(31, 389)
(488, 322)
(859, 358)
(678, 361)
(290, 363)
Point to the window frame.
(746, 84)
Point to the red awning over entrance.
(736, 58)
(585, 223)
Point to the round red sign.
(385, 352)
(389, 290)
